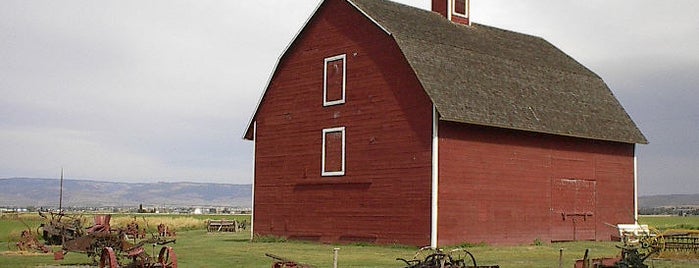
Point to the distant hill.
(20, 192)
(673, 200)
(84, 193)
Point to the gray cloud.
(662, 95)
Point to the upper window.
(460, 7)
(333, 155)
(334, 75)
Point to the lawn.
(196, 248)
(664, 223)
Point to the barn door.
(572, 210)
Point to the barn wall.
(440, 6)
(384, 196)
(512, 187)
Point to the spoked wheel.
(167, 258)
(650, 243)
(438, 259)
(461, 258)
(423, 252)
(108, 258)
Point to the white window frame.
(453, 8)
(342, 57)
(322, 158)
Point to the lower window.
(333, 154)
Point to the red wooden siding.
(384, 196)
(573, 205)
(440, 6)
(510, 187)
(495, 185)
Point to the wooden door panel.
(573, 204)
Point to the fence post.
(560, 258)
(335, 250)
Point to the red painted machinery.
(113, 248)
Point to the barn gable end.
(382, 193)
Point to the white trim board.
(342, 57)
(254, 160)
(467, 4)
(322, 158)
(435, 177)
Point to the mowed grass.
(196, 248)
(664, 223)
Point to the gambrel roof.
(487, 76)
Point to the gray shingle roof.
(487, 76)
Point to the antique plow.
(281, 262)
(428, 257)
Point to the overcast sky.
(162, 90)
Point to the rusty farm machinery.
(638, 244)
(59, 227)
(281, 262)
(428, 257)
(112, 246)
(29, 242)
(106, 246)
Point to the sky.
(162, 90)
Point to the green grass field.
(671, 222)
(196, 248)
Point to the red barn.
(386, 123)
